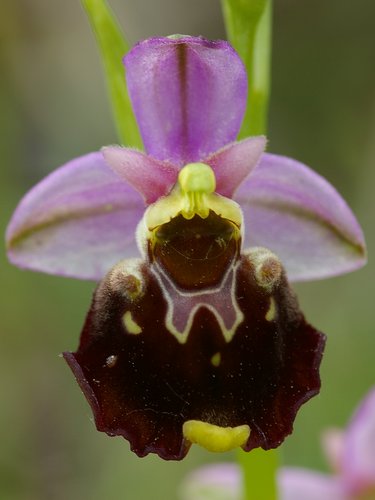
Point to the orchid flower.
(196, 337)
(350, 453)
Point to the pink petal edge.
(359, 447)
(296, 213)
(302, 484)
(233, 163)
(221, 480)
(77, 222)
(333, 447)
(150, 177)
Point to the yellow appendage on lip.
(215, 438)
(196, 181)
(130, 325)
(216, 359)
(194, 194)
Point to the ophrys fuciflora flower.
(196, 336)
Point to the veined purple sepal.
(295, 212)
(188, 95)
(145, 384)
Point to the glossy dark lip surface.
(196, 253)
(266, 372)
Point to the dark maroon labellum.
(241, 354)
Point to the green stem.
(259, 473)
(113, 47)
(248, 25)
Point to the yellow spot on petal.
(216, 359)
(215, 438)
(130, 325)
(271, 313)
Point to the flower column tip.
(196, 181)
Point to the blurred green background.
(53, 108)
